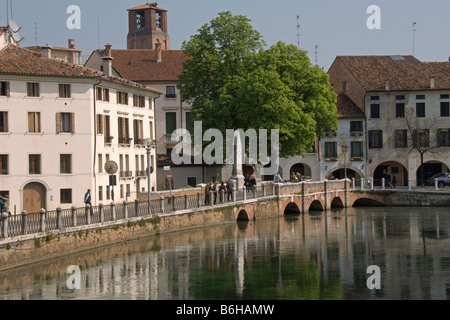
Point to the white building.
(59, 125)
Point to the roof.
(140, 65)
(403, 73)
(348, 109)
(55, 48)
(15, 60)
(3, 30)
(152, 5)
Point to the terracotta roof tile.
(403, 73)
(347, 108)
(140, 65)
(152, 5)
(15, 60)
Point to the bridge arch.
(243, 216)
(337, 203)
(292, 209)
(367, 202)
(316, 205)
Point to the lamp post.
(345, 150)
(149, 145)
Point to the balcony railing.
(125, 140)
(141, 173)
(356, 133)
(168, 139)
(126, 174)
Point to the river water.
(316, 256)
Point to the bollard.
(102, 212)
(87, 212)
(74, 216)
(245, 192)
(42, 220)
(136, 208)
(4, 217)
(383, 183)
(113, 211)
(24, 222)
(58, 218)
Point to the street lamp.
(345, 150)
(149, 145)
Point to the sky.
(336, 27)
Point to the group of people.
(249, 182)
(221, 188)
(296, 177)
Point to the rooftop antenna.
(36, 33)
(414, 38)
(317, 47)
(298, 31)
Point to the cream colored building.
(60, 124)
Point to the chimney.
(158, 52)
(46, 52)
(387, 84)
(432, 82)
(107, 61)
(71, 44)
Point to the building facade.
(60, 124)
(406, 104)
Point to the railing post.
(24, 222)
(74, 216)
(371, 184)
(211, 198)
(245, 192)
(383, 183)
(87, 212)
(362, 183)
(234, 194)
(102, 212)
(42, 220)
(136, 207)
(273, 188)
(222, 195)
(58, 218)
(409, 184)
(264, 190)
(125, 209)
(199, 199)
(255, 191)
(186, 203)
(173, 203)
(113, 211)
(161, 201)
(436, 186)
(4, 217)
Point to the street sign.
(167, 168)
(113, 180)
(169, 176)
(151, 170)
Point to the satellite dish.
(111, 167)
(15, 30)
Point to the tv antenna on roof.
(15, 30)
(298, 31)
(414, 38)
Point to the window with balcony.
(356, 128)
(171, 125)
(375, 139)
(357, 150)
(330, 151)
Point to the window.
(443, 137)
(66, 196)
(3, 121)
(420, 97)
(34, 162)
(4, 89)
(128, 189)
(140, 19)
(158, 19)
(375, 98)
(375, 139)
(445, 109)
(330, 149)
(121, 191)
(107, 130)
(138, 101)
(122, 98)
(3, 164)
(420, 110)
(151, 129)
(99, 94)
(170, 92)
(33, 89)
(171, 122)
(65, 122)
(65, 164)
(189, 123)
(34, 122)
(401, 138)
(64, 91)
(400, 110)
(445, 96)
(106, 95)
(400, 97)
(100, 193)
(100, 123)
(356, 126)
(421, 138)
(357, 149)
(124, 131)
(108, 193)
(138, 127)
(100, 163)
(375, 111)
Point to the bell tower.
(147, 27)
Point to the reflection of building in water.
(409, 249)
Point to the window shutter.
(72, 122)
(361, 149)
(29, 89)
(61, 91)
(38, 93)
(352, 145)
(439, 138)
(7, 89)
(58, 122)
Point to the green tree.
(233, 82)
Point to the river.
(316, 256)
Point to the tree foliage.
(233, 82)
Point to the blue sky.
(338, 27)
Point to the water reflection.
(312, 256)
